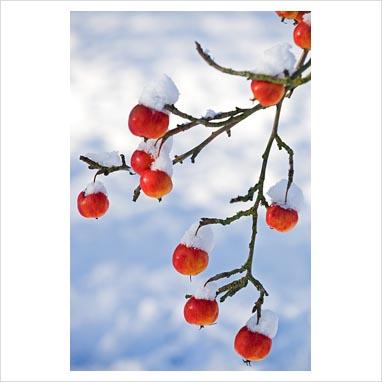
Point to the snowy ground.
(126, 300)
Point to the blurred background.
(126, 299)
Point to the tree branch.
(105, 170)
(282, 145)
(289, 81)
(232, 116)
(194, 152)
(233, 287)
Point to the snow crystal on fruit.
(108, 159)
(204, 239)
(295, 198)
(95, 187)
(159, 92)
(207, 292)
(275, 60)
(268, 323)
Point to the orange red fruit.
(141, 161)
(302, 35)
(200, 311)
(148, 123)
(252, 346)
(267, 93)
(155, 183)
(281, 219)
(189, 261)
(93, 205)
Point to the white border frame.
(346, 174)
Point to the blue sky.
(126, 300)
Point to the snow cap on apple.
(158, 92)
(268, 323)
(207, 292)
(94, 188)
(295, 198)
(202, 239)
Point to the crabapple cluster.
(149, 120)
(152, 162)
(268, 93)
(252, 342)
(190, 257)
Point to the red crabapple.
(202, 309)
(301, 35)
(252, 346)
(189, 261)
(190, 257)
(141, 161)
(155, 183)
(148, 123)
(93, 201)
(201, 312)
(280, 218)
(267, 93)
(254, 340)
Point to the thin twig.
(289, 81)
(282, 145)
(105, 170)
(194, 152)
